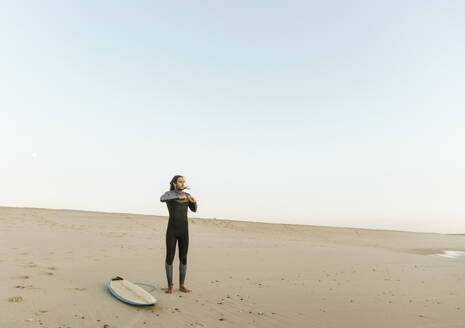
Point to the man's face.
(180, 183)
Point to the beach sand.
(54, 266)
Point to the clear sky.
(336, 113)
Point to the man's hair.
(174, 180)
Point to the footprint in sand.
(48, 273)
(39, 313)
(30, 265)
(16, 299)
(52, 268)
(26, 287)
(23, 277)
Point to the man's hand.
(191, 199)
(182, 197)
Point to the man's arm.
(169, 195)
(192, 204)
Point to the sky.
(332, 113)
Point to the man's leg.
(170, 251)
(183, 243)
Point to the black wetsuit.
(177, 230)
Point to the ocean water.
(452, 254)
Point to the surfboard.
(129, 292)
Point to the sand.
(54, 266)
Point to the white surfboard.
(130, 293)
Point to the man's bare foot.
(183, 288)
(169, 290)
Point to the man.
(177, 201)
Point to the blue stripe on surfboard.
(146, 285)
(122, 299)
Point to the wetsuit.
(177, 231)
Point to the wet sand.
(54, 266)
